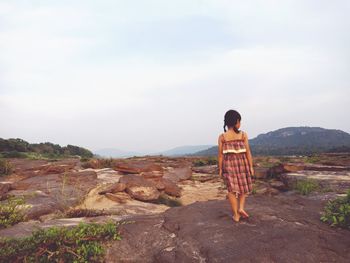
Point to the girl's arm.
(248, 153)
(220, 155)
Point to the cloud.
(152, 75)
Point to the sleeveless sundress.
(235, 167)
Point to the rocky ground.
(179, 210)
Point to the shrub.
(80, 212)
(11, 211)
(14, 154)
(337, 212)
(212, 161)
(5, 167)
(312, 159)
(98, 163)
(206, 161)
(85, 159)
(306, 186)
(61, 244)
(254, 189)
(199, 162)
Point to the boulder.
(178, 174)
(115, 198)
(143, 193)
(160, 185)
(135, 180)
(137, 166)
(206, 169)
(261, 172)
(171, 188)
(140, 188)
(293, 167)
(278, 185)
(126, 169)
(56, 169)
(152, 174)
(113, 188)
(4, 188)
(28, 168)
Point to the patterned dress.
(235, 167)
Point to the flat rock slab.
(283, 228)
(338, 181)
(293, 167)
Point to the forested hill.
(295, 140)
(18, 147)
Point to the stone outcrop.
(113, 188)
(206, 169)
(177, 174)
(205, 232)
(170, 187)
(140, 188)
(137, 166)
(4, 188)
(47, 193)
(337, 181)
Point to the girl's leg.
(241, 201)
(234, 204)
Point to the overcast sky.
(153, 75)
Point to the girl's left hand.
(252, 170)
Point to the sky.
(150, 75)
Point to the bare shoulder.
(245, 135)
(221, 137)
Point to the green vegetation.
(285, 159)
(18, 148)
(312, 159)
(254, 189)
(5, 167)
(306, 186)
(98, 163)
(337, 212)
(80, 212)
(11, 211)
(61, 244)
(206, 161)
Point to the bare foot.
(236, 217)
(243, 213)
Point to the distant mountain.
(116, 153)
(177, 151)
(183, 150)
(294, 140)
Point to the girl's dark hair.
(231, 118)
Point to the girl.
(235, 163)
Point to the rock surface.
(47, 193)
(4, 188)
(281, 228)
(337, 181)
(204, 232)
